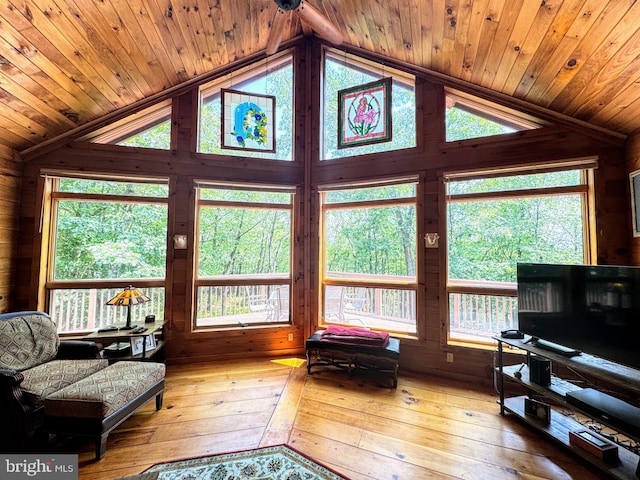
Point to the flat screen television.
(591, 308)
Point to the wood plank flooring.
(429, 427)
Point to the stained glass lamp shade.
(129, 296)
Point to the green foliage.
(379, 241)
(372, 239)
(102, 240)
(158, 136)
(517, 182)
(101, 187)
(373, 193)
(461, 125)
(339, 75)
(486, 239)
(238, 241)
(278, 83)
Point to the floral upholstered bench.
(354, 348)
(97, 404)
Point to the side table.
(108, 337)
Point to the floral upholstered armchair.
(34, 363)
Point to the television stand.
(555, 347)
(560, 427)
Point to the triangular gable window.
(149, 128)
(468, 117)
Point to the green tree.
(340, 75)
(487, 238)
(101, 240)
(278, 83)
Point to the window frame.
(377, 71)
(132, 125)
(275, 279)
(504, 116)
(326, 281)
(507, 289)
(51, 198)
(231, 80)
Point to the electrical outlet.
(450, 357)
(290, 337)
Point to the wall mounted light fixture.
(180, 242)
(431, 240)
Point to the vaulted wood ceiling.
(64, 63)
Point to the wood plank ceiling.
(64, 63)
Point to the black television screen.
(591, 308)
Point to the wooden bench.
(97, 404)
(382, 360)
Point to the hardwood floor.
(429, 427)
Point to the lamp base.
(128, 327)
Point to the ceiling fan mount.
(288, 4)
(309, 15)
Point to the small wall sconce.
(180, 242)
(431, 240)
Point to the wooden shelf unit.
(156, 329)
(559, 426)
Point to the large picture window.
(105, 235)
(244, 256)
(369, 256)
(493, 223)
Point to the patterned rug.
(270, 463)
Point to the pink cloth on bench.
(354, 336)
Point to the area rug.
(269, 463)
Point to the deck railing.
(469, 313)
(481, 315)
(77, 310)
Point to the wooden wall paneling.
(526, 148)
(313, 54)
(179, 279)
(10, 185)
(435, 261)
(180, 274)
(185, 120)
(473, 365)
(430, 116)
(206, 346)
(151, 162)
(304, 269)
(180, 267)
(613, 209)
(432, 267)
(28, 248)
(632, 158)
(421, 255)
